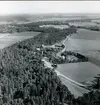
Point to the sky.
(19, 7)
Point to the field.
(87, 34)
(56, 26)
(80, 72)
(86, 24)
(9, 39)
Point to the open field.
(84, 40)
(56, 26)
(87, 24)
(87, 34)
(77, 44)
(81, 72)
(10, 39)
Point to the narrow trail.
(63, 42)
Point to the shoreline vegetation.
(24, 80)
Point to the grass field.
(10, 39)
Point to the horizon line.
(48, 13)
